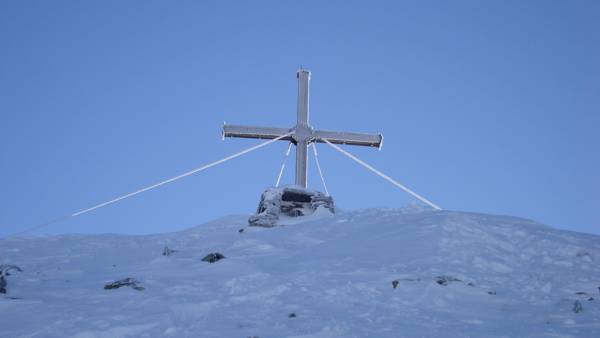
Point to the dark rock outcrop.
(291, 201)
(3, 284)
(444, 280)
(124, 282)
(5, 271)
(168, 251)
(213, 257)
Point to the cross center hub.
(303, 133)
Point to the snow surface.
(335, 273)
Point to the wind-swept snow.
(457, 274)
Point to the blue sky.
(486, 106)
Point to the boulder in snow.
(444, 280)
(213, 257)
(124, 282)
(5, 270)
(168, 251)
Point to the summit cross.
(303, 134)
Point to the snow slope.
(517, 278)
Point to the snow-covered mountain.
(456, 275)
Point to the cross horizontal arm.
(356, 139)
(232, 130)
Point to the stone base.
(288, 201)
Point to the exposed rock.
(241, 230)
(5, 270)
(292, 315)
(124, 282)
(577, 307)
(2, 284)
(585, 296)
(264, 219)
(168, 252)
(396, 282)
(291, 201)
(213, 257)
(493, 293)
(444, 280)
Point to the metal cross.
(303, 134)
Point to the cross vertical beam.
(303, 132)
(303, 76)
(302, 164)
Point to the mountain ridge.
(456, 273)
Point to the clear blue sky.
(486, 106)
